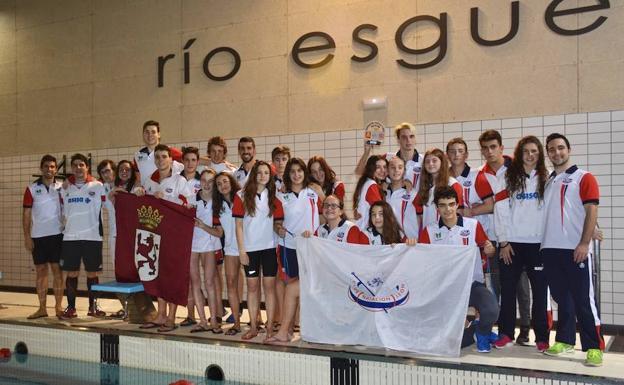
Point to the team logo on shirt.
(465, 234)
(340, 236)
(467, 183)
(147, 245)
(437, 236)
(169, 190)
(566, 180)
(91, 193)
(38, 191)
(374, 295)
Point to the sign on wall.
(322, 42)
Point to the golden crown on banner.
(149, 217)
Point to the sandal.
(200, 329)
(275, 340)
(120, 314)
(150, 325)
(217, 330)
(249, 335)
(38, 314)
(188, 321)
(167, 328)
(232, 331)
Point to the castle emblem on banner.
(147, 244)
(373, 295)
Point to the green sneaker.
(559, 348)
(594, 357)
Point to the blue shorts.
(288, 259)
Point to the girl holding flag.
(383, 228)
(301, 204)
(337, 227)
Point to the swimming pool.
(39, 370)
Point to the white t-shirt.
(202, 240)
(110, 209)
(258, 229)
(82, 210)
(369, 194)
(241, 175)
(428, 210)
(46, 208)
(519, 217)
(564, 198)
(467, 232)
(144, 163)
(301, 213)
(402, 204)
(194, 184)
(228, 223)
(412, 166)
(174, 187)
(475, 190)
(346, 232)
(497, 183)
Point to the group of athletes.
(528, 222)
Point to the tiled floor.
(19, 305)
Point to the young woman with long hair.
(205, 243)
(368, 190)
(321, 174)
(518, 218)
(222, 202)
(301, 204)
(125, 177)
(435, 174)
(255, 209)
(383, 228)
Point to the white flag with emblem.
(408, 298)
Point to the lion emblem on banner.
(147, 244)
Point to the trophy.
(374, 133)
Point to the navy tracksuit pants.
(572, 288)
(527, 256)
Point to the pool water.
(39, 370)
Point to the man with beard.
(571, 202)
(247, 153)
(43, 232)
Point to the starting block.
(124, 290)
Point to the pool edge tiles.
(52, 342)
(244, 364)
(264, 364)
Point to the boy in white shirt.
(82, 201)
